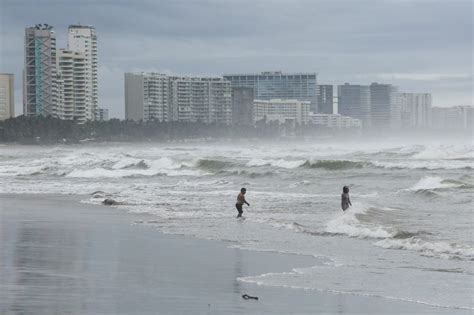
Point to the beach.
(61, 256)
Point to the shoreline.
(60, 255)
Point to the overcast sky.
(420, 46)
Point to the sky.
(418, 45)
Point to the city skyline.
(61, 82)
(356, 52)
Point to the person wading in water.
(345, 199)
(240, 202)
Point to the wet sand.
(59, 256)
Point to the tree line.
(48, 129)
(40, 129)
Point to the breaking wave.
(348, 224)
(323, 164)
(130, 167)
(430, 184)
(107, 173)
(446, 152)
(335, 164)
(210, 164)
(281, 163)
(390, 237)
(131, 163)
(253, 174)
(424, 164)
(423, 152)
(430, 249)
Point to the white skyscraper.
(196, 99)
(453, 118)
(72, 86)
(415, 109)
(147, 96)
(155, 96)
(281, 110)
(82, 38)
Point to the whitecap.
(432, 182)
(432, 249)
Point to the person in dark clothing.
(345, 199)
(240, 202)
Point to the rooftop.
(276, 73)
(81, 26)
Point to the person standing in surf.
(240, 202)
(345, 199)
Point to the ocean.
(408, 235)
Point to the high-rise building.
(39, 77)
(147, 97)
(278, 85)
(453, 118)
(220, 103)
(354, 101)
(384, 108)
(7, 99)
(281, 110)
(59, 99)
(102, 114)
(71, 82)
(195, 99)
(172, 98)
(415, 109)
(83, 39)
(324, 96)
(242, 106)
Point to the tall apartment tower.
(147, 96)
(324, 95)
(7, 101)
(39, 76)
(385, 111)
(171, 98)
(278, 85)
(83, 39)
(242, 106)
(71, 84)
(196, 99)
(453, 118)
(354, 101)
(415, 110)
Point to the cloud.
(424, 76)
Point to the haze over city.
(236, 157)
(419, 46)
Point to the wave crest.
(334, 164)
(131, 163)
(430, 249)
(211, 164)
(430, 184)
(281, 163)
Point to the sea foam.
(347, 223)
(427, 248)
(435, 182)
